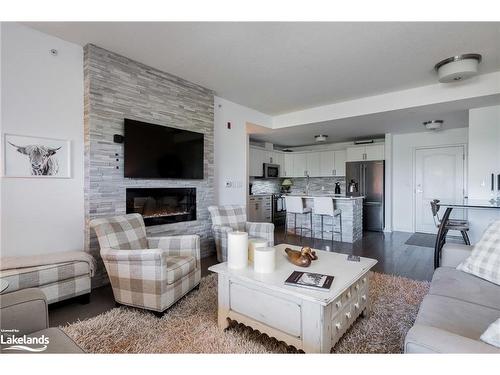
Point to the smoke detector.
(433, 124)
(320, 138)
(458, 68)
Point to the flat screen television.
(156, 151)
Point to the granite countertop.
(334, 196)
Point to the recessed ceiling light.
(433, 124)
(457, 68)
(320, 138)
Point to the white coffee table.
(307, 319)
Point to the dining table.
(479, 204)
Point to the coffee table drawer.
(269, 309)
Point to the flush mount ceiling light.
(320, 138)
(457, 68)
(433, 124)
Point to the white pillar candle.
(264, 259)
(254, 243)
(237, 250)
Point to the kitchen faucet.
(307, 183)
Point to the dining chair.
(451, 224)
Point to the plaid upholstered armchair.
(232, 218)
(150, 273)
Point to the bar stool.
(295, 205)
(323, 206)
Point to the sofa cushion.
(178, 267)
(484, 260)
(426, 339)
(65, 289)
(32, 277)
(492, 334)
(453, 254)
(450, 282)
(455, 316)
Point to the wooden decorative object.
(302, 258)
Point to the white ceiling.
(454, 114)
(282, 67)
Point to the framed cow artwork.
(26, 156)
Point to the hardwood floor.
(393, 255)
(389, 249)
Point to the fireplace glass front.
(160, 206)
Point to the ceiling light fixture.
(433, 124)
(457, 68)
(320, 138)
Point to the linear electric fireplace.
(162, 205)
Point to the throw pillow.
(484, 261)
(492, 334)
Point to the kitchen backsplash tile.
(318, 185)
(270, 186)
(265, 186)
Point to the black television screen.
(156, 151)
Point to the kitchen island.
(352, 218)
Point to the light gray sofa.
(457, 310)
(24, 312)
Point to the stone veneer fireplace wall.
(117, 87)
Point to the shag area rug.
(190, 326)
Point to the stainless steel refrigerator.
(367, 177)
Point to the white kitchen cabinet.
(332, 163)
(312, 164)
(375, 152)
(271, 157)
(366, 153)
(287, 171)
(326, 163)
(257, 157)
(339, 162)
(355, 153)
(299, 165)
(279, 158)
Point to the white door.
(439, 174)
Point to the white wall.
(388, 171)
(231, 149)
(484, 159)
(42, 95)
(403, 151)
